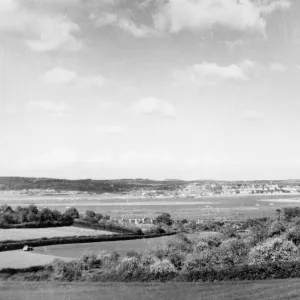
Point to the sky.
(188, 89)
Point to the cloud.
(242, 15)
(42, 31)
(60, 75)
(212, 73)
(127, 25)
(54, 109)
(252, 115)
(154, 106)
(110, 129)
(57, 157)
(278, 67)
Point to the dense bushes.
(276, 249)
(32, 217)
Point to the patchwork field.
(23, 234)
(77, 250)
(287, 289)
(19, 259)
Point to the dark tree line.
(33, 215)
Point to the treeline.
(32, 217)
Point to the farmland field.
(33, 233)
(19, 259)
(221, 207)
(77, 250)
(286, 289)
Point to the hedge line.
(15, 245)
(108, 227)
(35, 225)
(276, 270)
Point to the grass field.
(23, 234)
(19, 259)
(77, 250)
(263, 290)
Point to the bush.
(233, 251)
(130, 268)
(108, 259)
(276, 228)
(276, 249)
(203, 260)
(294, 235)
(66, 271)
(90, 261)
(162, 267)
(290, 212)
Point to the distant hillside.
(87, 185)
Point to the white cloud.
(212, 73)
(139, 31)
(151, 106)
(57, 157)
(42, 32)
(59, 75)
(54, 109)
(252, 115)
(178, 15)
(278, 67)
(110, 129)
(63, 76)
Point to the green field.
(19, 259)
(37, 233)
(77, 250)
(263, 290)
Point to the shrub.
(233, 251)
(89, 261)
(66, 271)
(162, 267)
(294, 235)
(276, 249)
(291, 212)
(212, 240)
(276, 228)
(108, 259)
(133, 254)
(197, 261)
(130, 268)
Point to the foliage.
(294, 235)
(164, 218)
(162, 267)
(276, 228)
(290, 212)
(275, 249)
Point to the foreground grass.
(265, 290)
(37, 233)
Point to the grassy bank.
(264, 290)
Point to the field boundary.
(17, 245)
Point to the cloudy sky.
(190, 89)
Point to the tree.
(70, 214)
(164, 218)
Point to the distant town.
(145, 188)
